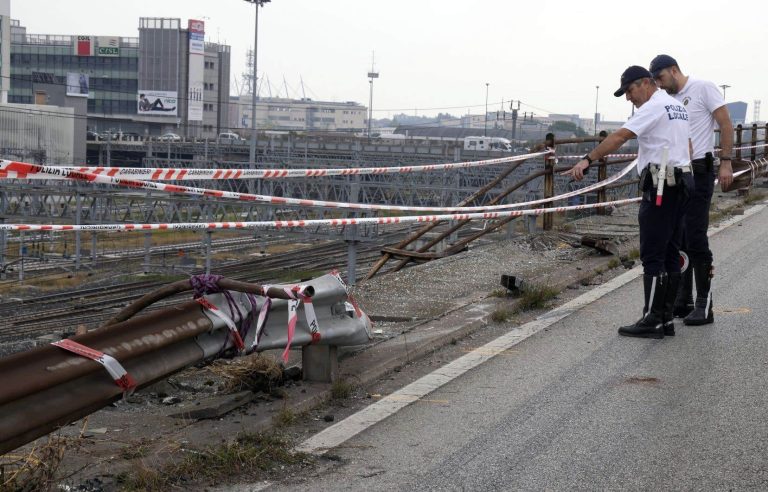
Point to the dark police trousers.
(695, 242)
(661, 227)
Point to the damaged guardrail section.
(48, 387)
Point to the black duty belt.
(703, 165)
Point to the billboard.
(157, 103)
(84, 46)
(108, 46)
(78, 84)
(196, 69)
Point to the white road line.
(354, 424)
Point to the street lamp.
(724, 86)
(371, 75)
(485, 128)
(257, 4)
(597, 93)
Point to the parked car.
(169, 137)
(228, 138)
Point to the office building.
(184, 80)
(276, 113)
(5, 49)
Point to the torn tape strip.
(208, 305)
(112, 365)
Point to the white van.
(487, 143)
(229, 138)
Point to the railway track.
(63, 312)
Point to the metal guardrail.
(47, 387)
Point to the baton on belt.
(662, 175)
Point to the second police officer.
(705, 106)
(661, 127)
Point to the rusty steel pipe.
(186, 285)
(43, 367)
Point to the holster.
(704, 165)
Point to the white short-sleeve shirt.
(701, 98)
(660, 122)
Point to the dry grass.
(501, 315)
(250, 455)
(754, 196)
(256, 372)
(341, 389)
(284, 417)
(288, 276)
(48, 283)
(535, 297)
(35, 471)
(502, 293)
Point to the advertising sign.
(84, 46)
(196, 69)
(78, 84)
(157, 103)
(108, 46)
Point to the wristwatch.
(586, 158)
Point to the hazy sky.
(437, 55)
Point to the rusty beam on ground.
(462, 223)
(479, 193)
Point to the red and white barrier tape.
(297, 295)
(25, 168)
(210, 307)
(112, 365)
(358, 312)
(187, 174)
(262, 320)
(629, 156)
(281, 224)
(610, 156)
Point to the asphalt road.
(578, 407)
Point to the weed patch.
(251, 455)
(535, 297)
(501, 315)
(340, 390)
(35, 470)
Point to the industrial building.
(184, 80)
(276, 113)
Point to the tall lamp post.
(485, 128)
(257, 4)
(597, 115)
(371, 75)
(724, 86)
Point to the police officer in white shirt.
(705, 106)
(660, 125)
